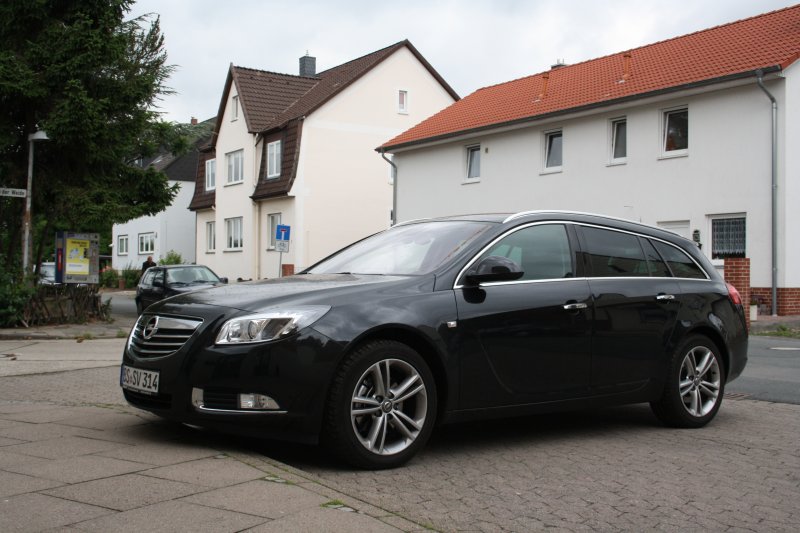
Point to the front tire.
(695, 385)
(382, 406)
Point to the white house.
(676, 134)
(169, 230)
(298, 151)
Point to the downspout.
(760, 81)
(394, 186)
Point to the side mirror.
(158, 283)
(223, 280)
(494, 268)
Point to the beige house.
(297, 150)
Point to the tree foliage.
(91, 79)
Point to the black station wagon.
(446, 320)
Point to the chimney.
(558, 64)
(194, 121)
(308, 65)
(626, 65)
(545, 79)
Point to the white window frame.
(234, 235)
(665, 113)
(402, 101)
(211, 236)
(547, 135)
(612, 145)
(211, 174)
(147, 243)
(470, 150)
(273, 221)
(274, 159)
(235, 171)
(234, 107)
(122, 245)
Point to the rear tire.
(382, 406)
(695, 385)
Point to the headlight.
(269, 325)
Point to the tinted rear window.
(681, 264)
(614, 254)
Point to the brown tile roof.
(769, 42)
(274, 102)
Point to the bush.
(109, 277)
(14, 296)
(172, 258)
(131, 276)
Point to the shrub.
(14, 297)
(109, 277)
(172, 258)
(131, 275)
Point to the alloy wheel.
(700, 378)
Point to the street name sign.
(16, 193)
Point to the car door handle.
(665, 297)
(575, 306)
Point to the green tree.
(91, 79)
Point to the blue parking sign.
(282, 232)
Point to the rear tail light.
(734, 295)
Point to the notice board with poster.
(77, 257)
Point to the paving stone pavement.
(604, 470)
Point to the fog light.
(197, 397)
(257, 401)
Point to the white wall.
(727, 170)
(789, 174)
(174, 229)
(233, 200)
(342, 188)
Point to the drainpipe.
(394, 187)
(760, 81)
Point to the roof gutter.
(774, 171)
(579, 109)
(394, 186)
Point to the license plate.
(138, 379)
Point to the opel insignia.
(447, 320)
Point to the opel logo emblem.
(150, 328)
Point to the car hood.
(305, 289)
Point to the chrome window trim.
(456, 285)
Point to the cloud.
(471, 43)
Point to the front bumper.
(295, 372)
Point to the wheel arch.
(717, 338)
(424, 346)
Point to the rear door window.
(656, 265)
(679, 262)
(614, 254)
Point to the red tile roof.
(769, 42)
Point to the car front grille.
(159, 336)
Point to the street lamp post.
(26, 216)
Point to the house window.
(147, 243)
(676, 131)
(402, 102)
(122, 245)
(235, 162)
(552, 150)
(273, 221)
(233, 233)
(728, 237)
(619, 140)
(211, 174)
(211, 236)
(473, 162)
(234, 107)
(274, 159)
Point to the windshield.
(191, 275)
(404, 250)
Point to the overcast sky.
(471, 43)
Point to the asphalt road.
(773, 371)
